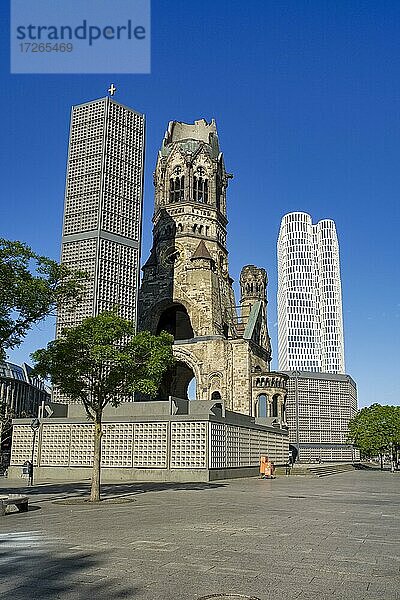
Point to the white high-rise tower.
(310, 321)
(103, 207)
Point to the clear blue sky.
(306, 98)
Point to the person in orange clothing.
(263, 464)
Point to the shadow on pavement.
(30, 570)
(108, 490)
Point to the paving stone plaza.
(294, 537)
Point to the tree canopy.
(31, 287)
(376, 429)
(102, 362)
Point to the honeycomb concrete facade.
(319, 409)
(103, 210)
(175, 440)
(103, 207)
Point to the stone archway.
(192, 389)
(176, 381)
(176, 321)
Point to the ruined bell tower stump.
(187, 290)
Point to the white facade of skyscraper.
(103, 207)
(310, 321)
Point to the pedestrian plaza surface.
(294, 537)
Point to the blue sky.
(306, 99)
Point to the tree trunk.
(381, 457)
(95, 488)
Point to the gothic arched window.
(176, 189)
(200, 186)
(275, 406)
(262, 406)
(176, 185)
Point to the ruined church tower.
(186, 288)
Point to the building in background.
(319, 408)
(310, 321)
(103, 207)
(21, 395)
(321, 398)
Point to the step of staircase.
(332, 469)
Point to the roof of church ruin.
(199, 131)
(202, 252)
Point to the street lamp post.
(391, 458)
(35, 424)
(296, 399)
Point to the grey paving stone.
(183, 542)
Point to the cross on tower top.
(112, 89)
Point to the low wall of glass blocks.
(170, 444)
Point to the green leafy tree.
(31, 288)
(376, 430)
(100, 362)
